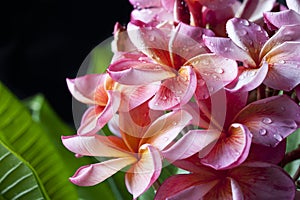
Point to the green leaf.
(293, 141)
(29, 141)
(112, 189)
(17, 178)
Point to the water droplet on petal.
(242, 32)
(267, 120)
(244, 22)
(151, 38)
(281, 61)
(262, 132)
(174, 123)
(282, 108)
(219, 70)
(277, 137)
(164, 98)
(156, 104)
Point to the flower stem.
(291, 156)
(156, 185)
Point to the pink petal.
(284, 34)
(153, 42)
(96, 173)
(262, 153)
(228, 49)
(279, 19)
(253, 10)
(195, 46)
(192, 186)
(166, 128)
(270, 120)
(151, 15)
(215, 70)
(249, 79)
(83, 88)
(135, 95)
(137, 72)
(96, 145)
(168, 5)
(247, 35)
(260, 180)
(191, 143)
(145, 172)
(175, 91)
(294, 5)
(231, 149)
(283, 76)
(97, 116)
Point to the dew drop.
(245, 22)
(242, 32)
(196, 62)
(152, 38)
(174, 123)
(211, 44)
(205, 62)
(267, 120)
(164, 98)
(156, 104)
(281, 61)
(282, 108)
(262, 132)
(277, 137)
(219, 70)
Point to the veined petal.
(283, 76)
(284, 34)
(135, 95)
(97, 116)
(249, 78)
(152, 41)
(279, 19)
(231, 150)
(191, 143)
(145, 3)
(83, 88)
(222, 190)
(96, 173)
(228, 49)
(135, 72)
(247, 35)
(184, 186)
(270, 120)
(175, 91)
(262, 153)
(166, 128)
(259, 180)
(145, 172)
(216, 71)
(97, 145)
(186, 42)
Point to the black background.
(43, 42)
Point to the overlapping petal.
(231, 150)
(275, 20)
(96, 173)
(145, 172)
(270, 120)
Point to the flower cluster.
(211, 87)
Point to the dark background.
(43, 42)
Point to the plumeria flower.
(290, 16)
(141, 148)
(272, 61)
(180, 61)
(251, 180)
(265, 122)
(104, 98)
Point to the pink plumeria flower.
(272, 61)
(104, 98)
(142, 147)
(264, 122)
(251, 180)
(290, 16)
(178, 61)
